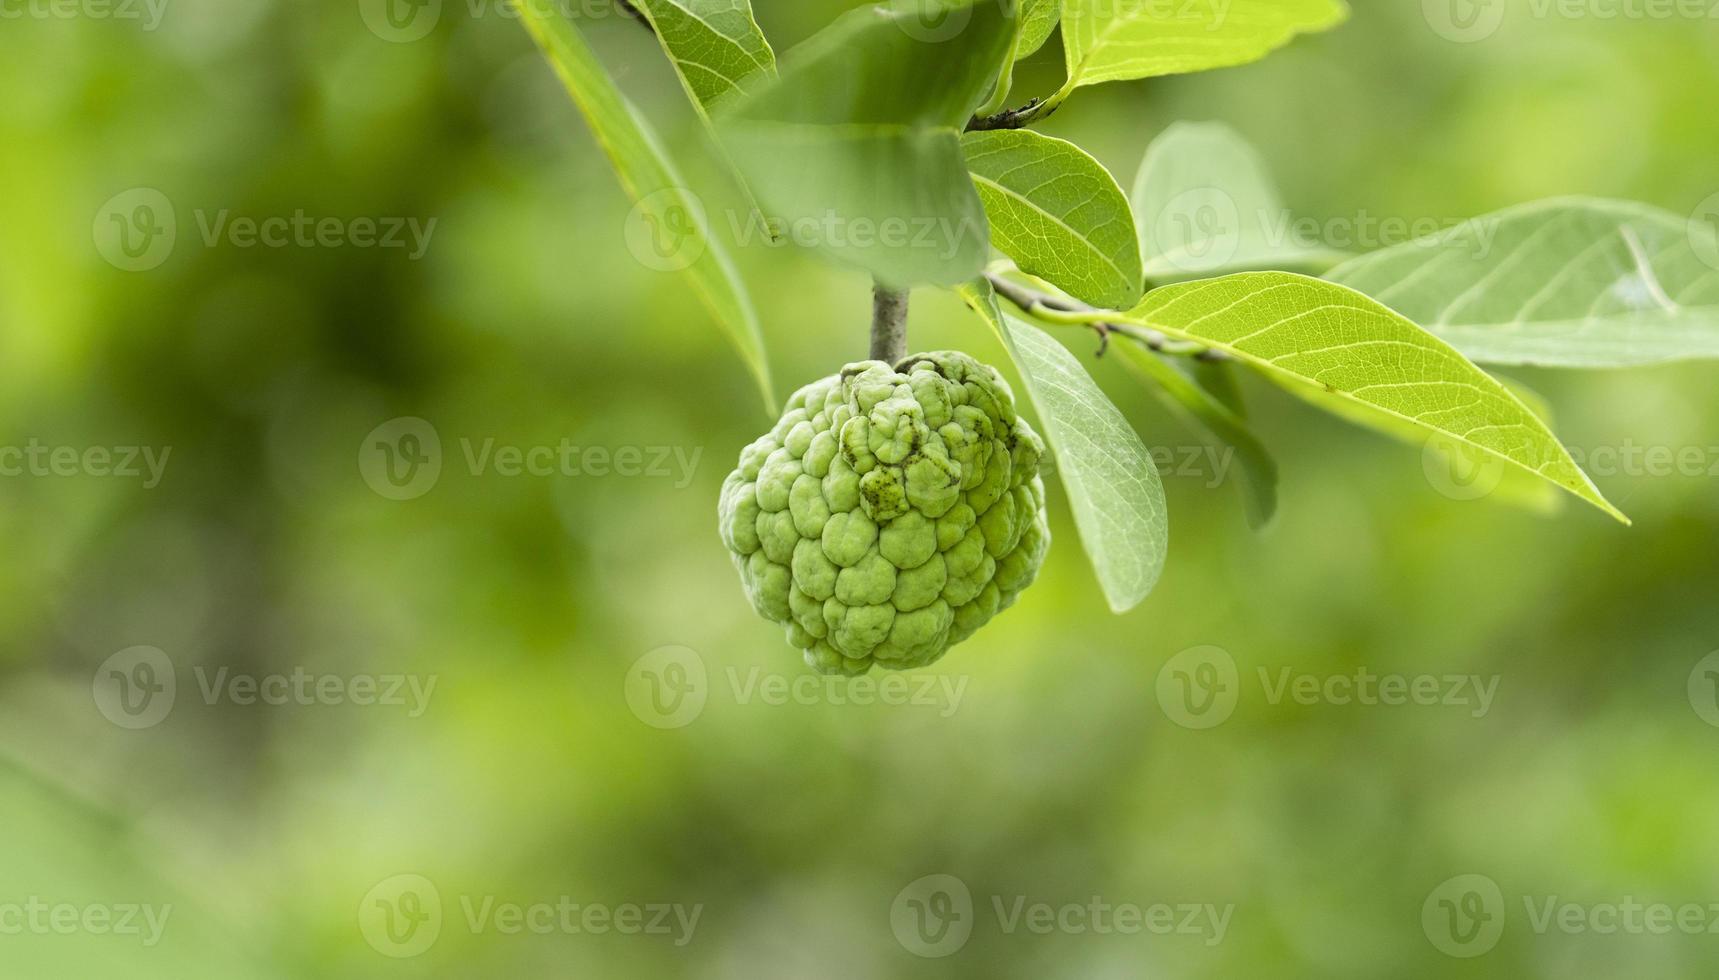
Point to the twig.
(888, 323)
(1056, 309)
(1009, 118)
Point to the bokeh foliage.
(527, 320)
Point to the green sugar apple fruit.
(890, 513)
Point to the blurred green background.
(549, 764)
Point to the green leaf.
(651, 180)
(1112, 40)
(1112, 483)
(859, 140)
(1058, 213)
(1258, 469)
(1038, 22)
(1206, 205)
(1464, 473)
(1368, 361)
(715, 45)
(1571, 282)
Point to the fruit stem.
(888, 323)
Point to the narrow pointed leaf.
(1058, 213)
(652, 181)
(1113, 486)
(1373, 362)
(1572, 282)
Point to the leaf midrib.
(1229, 347)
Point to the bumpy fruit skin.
(890, 513)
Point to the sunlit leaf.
(1111, 40)
(1058, 213)
(1038, 22)
(715, 45)
(1352, 352)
